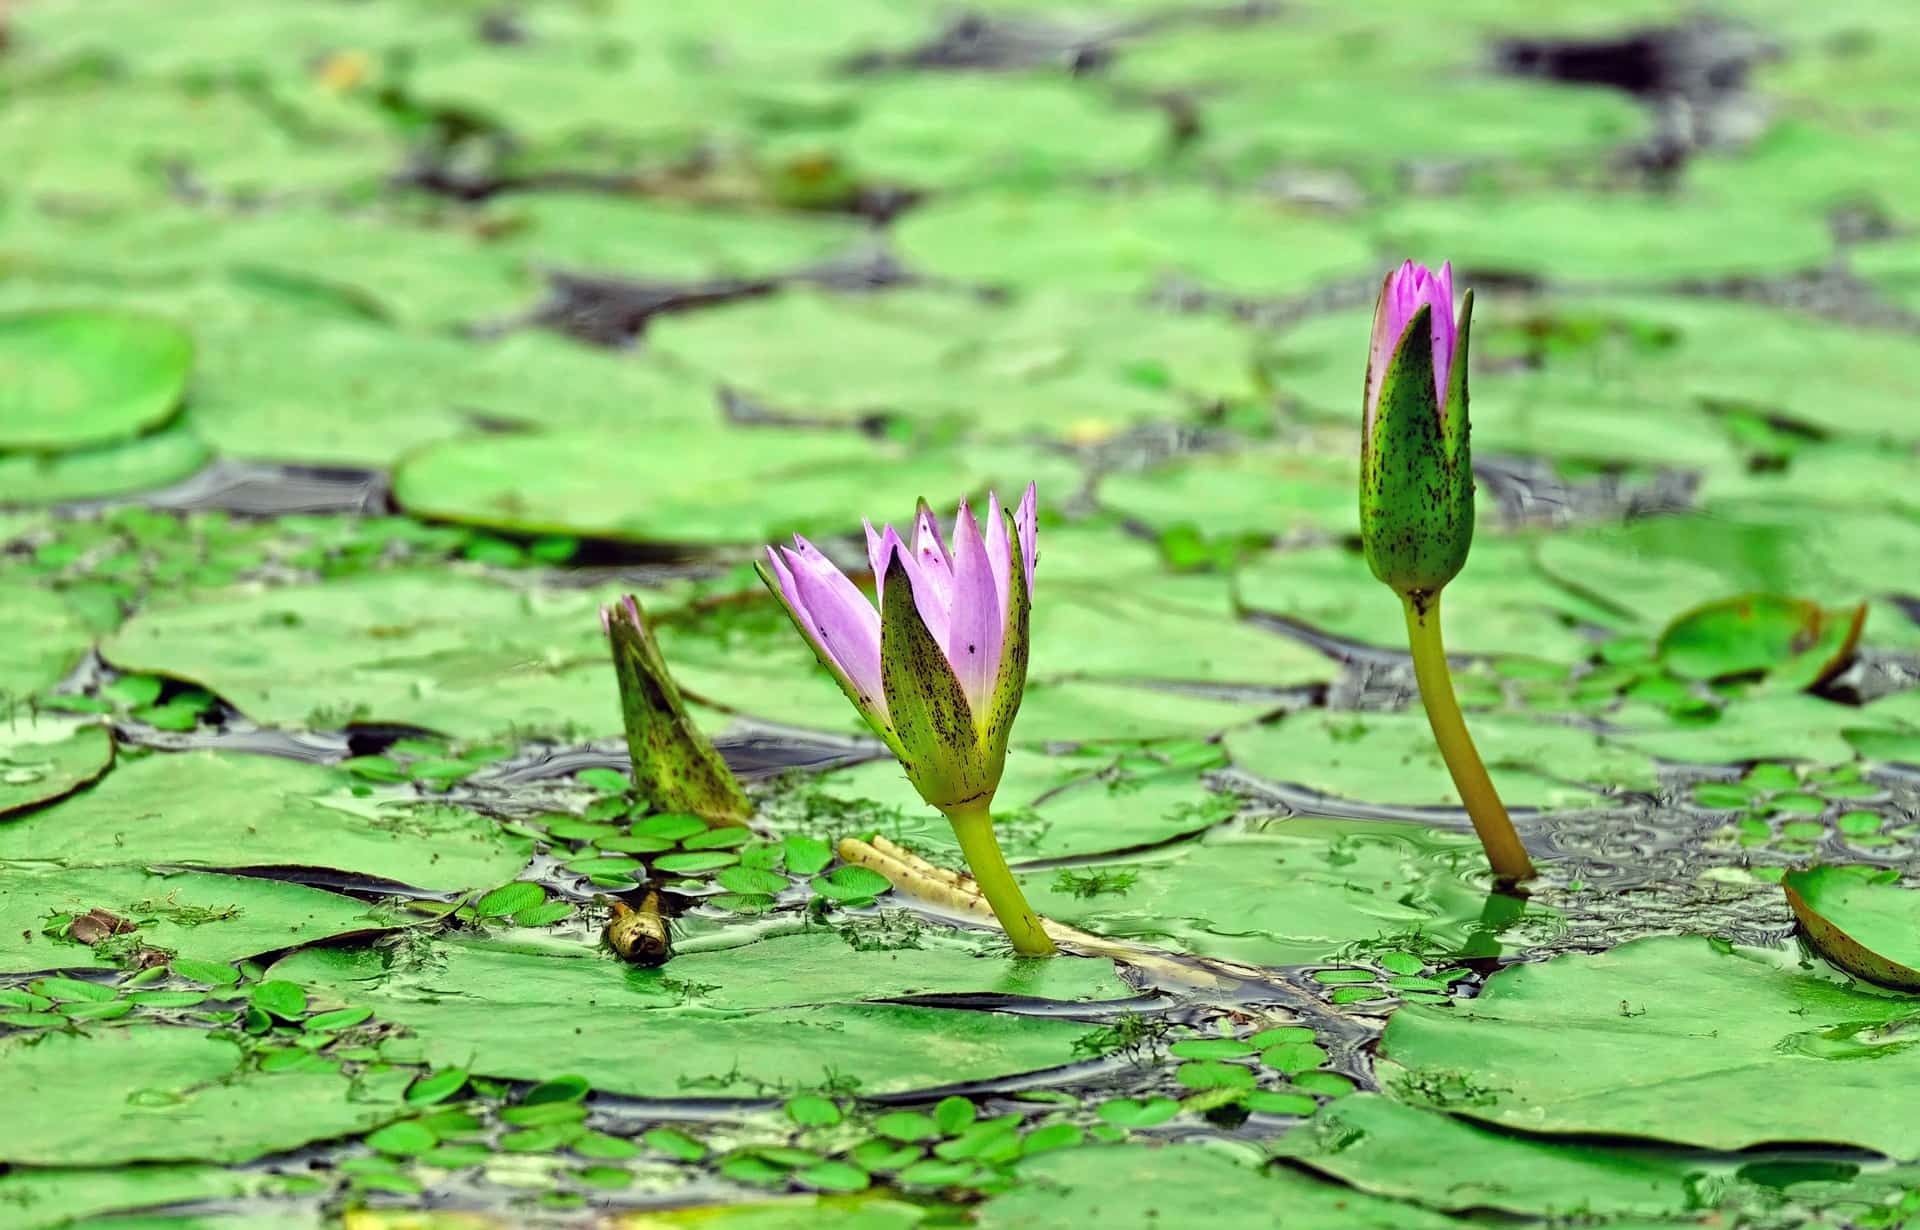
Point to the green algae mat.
(354, 353)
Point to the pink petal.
(999, 556)
(1027, 524)
(973, 640)
(931, 599)
(936, 566)
(838, 618)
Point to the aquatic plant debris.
(355, 356)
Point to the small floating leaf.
(1860, 921)
(1796, 643)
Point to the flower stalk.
(1489, 815)
(973, 825)
(1416, 510)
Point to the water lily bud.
(1416, 470)
(674, 763)
(939, 668)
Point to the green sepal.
(675, 765)
(1011, 683)
(1416, 476)
(874, 719)
(938, 745)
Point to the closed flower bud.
(1416, 469)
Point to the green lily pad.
(1663, 1027)
(195, 915)
(1047, 807)
(1391, 758)
(43, 759)
(216, 809)
(1662, 236)
(1147, 1187)
(41, 1199)
(1502, 604)
(1860, 922)
(458, 655)
(1065, 365)
(1124, 242)
(76, 379)
(1796, 643)
(707, 486)
(780, 1013)
(46, 638)
(155, 460)
(1292, 893)
(1435, 1160)
(173, 1093)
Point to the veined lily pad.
(782, 1012)
(1433, 1159)
(1661, 1028)
(192, 914)
(1797, 643)
(708, 486)
(1144, 1187)
(1862, 921)
(74, 378)
(43, 758)
(164, 1093)
(214, 809)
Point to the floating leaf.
(1863, 921)
(1794, 642)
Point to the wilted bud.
(1416, 469)
(674, 765)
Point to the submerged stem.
(1490, 820)
(973, 825)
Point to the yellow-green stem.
(1490, 820)
(973, 825)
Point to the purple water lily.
(938, 668)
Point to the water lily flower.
(938, 668)
(1416, 509)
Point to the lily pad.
(167, 1093)
(143, 464)
(693, 486)
(75, 379)
(1126, 242)
(40, 1199)
(191, 914)
(46, 638)
(1860, 921)
(1794, 642)
(1435, 1160)
(43, 759)
(1292, 893)
(1047, 806)
(1391, 758)
(457, 655)
(214, 809)
(1664, 1027)
(732, 1021)
(1147, 1187)
(1061, 364)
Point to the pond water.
(353, 354)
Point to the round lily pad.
(72, 378)
(698, 486)
(1863, 921)
(43, 758)
(1662, 1028)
